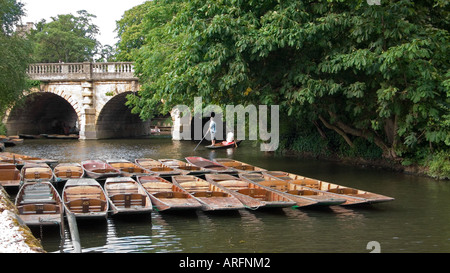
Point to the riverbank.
(382, 164)
(15, 237)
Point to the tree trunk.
(337, 130)
(344, 130)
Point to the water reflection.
(417, 221)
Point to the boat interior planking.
(166, 185)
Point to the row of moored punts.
(95, 188)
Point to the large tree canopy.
(10, 13)
(67, 38)
(14, 57)
(373, 72)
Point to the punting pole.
(74, 232)
(62, 230)
(201, 140)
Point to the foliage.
(146, 38)
(10, 13)
(3, 130)
(316, 142)
(67, 38)
(107, 53)
(132, 30)
(14, 58)
(378, 73)
(439, 165)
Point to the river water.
(416, 222)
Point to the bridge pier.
(87, 124)
(87, 118)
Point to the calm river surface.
(418, 221)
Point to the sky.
(107, 12)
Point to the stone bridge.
(88, 97)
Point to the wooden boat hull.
(167, 196)
(223, 145)
(250, 194)
(85, 199)
(28, 159)
(10, 176)
(66, 171)
(156, 168)
(209, 165)
(128, 168)
(13, 142)
(302, 195)
(233, 186)
(12, 160)
(37, 173)
(211, 197)
(39, 204)
(351, 195)
(97, 169)
(70, 136)
(126, 196)
(41, 219)
(238, 165)
(183, 167)
(26, 136)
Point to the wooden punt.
(167, 196)
(13, 142)
(69, 136)
(126, 196)
(29, 159)
(10, 176)
(16, 161)
(85, 199)
(295, 191)
(128, 168)
(238, 165)
(66, 171)
(184, 167)
(212, 197)
(156, 167)
(37, 172)
(352, 196)
(224, 145)
(252, 195)
(27, 136)
(210, 165)
(39, 204)
(98, 169)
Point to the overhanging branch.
(344, 130)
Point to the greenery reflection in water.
(417, 221)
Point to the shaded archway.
(116, 120)
(42, 113)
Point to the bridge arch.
(95, 93)
(44, 113)
(115, 120)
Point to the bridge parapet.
(82, 71)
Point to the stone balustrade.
(82, 71)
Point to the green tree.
(10, 13)
(67, 38)
(106, 54)
(146, 38)
(14, 58)
(131, 31)
(377, 73)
